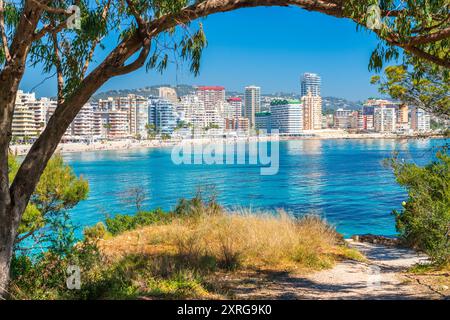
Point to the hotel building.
(343, 118)
(162, 114)
(192, 110)
(310, 82)
(138, 115)
(30, 114)
(112, 124)
(23, 124)
(385, 119)
(252, 103)
(263, 121)
(420, 120)
(211, 96)
(83, 124)
(236, 105)
(312, 112)
(286, 116)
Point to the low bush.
(424, 221)
(121, 223)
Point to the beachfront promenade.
(126, 144)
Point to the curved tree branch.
(41, 151)
(35, 161)
(428, 38)
(427, 56)
(45, 7)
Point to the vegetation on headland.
(424, 221)
(185, 253)
(179, 254)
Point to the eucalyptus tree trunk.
(10, 78)
(7, 100)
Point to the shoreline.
(21, 150)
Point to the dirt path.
(381, 277)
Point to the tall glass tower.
(310, 82)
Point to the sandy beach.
(129, 144)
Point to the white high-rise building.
(23, 124)
(385, 119)
(420, 120)
(162, 114)
(252, 103)
(236, 106)
(30, 114)
(310, 82)
(138, 115)
(135, 107)
(42, 109)
(286, 116)
(83, 124)
(192, 110)
(311, 101)
(211, 96)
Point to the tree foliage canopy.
(58, 190)
(420, 27)
(428, 90)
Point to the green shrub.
(46, 220)
(95, 232)
(121, 223)
(424, 221)
(44, 276)
(194, 207)
(198, 205)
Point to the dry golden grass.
(237, 240)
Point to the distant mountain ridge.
(146, 91)
(329, 103)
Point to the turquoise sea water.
(341, 180)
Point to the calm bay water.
(341, 180)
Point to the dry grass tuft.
(238, 240)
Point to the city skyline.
(272, 58)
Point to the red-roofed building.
(212, 96)
(211, 88)
(236, 104)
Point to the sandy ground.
(132, 144)
(125, 145)
(382, 276)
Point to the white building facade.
(286, 116)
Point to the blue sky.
(269, 47)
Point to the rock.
(376, 239)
